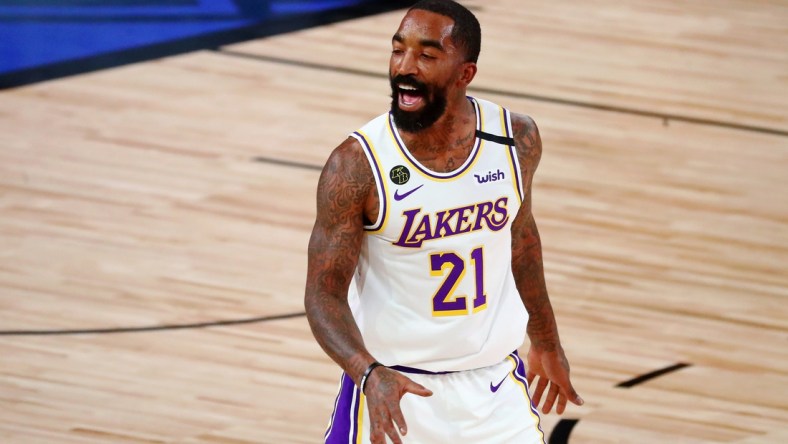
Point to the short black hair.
(467, 33)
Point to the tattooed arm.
(346, 194)
(342, 193)
(546, 357)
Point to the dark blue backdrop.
(44, 39)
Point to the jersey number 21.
(445, 302)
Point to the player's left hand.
(552, 368)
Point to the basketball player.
(425, 264)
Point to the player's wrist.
(362, 384)
(546, 346)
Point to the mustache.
(407, 80)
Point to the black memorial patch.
(399, 175)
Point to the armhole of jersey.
(506, 122)
(380, 185)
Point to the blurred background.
(158, 164)
(44, 39)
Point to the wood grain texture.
(722, 61)
(129, 198)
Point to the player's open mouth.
(410, 97)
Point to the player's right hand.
(384, 389)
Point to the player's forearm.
(542, 328)
(336, 331)
(528, 269)
(333, 255)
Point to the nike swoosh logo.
(399, 197)
(494, 388)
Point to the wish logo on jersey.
(491, 176)
(420, 227)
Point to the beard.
(415, 121)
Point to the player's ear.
(467, 73)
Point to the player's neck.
(454, 130)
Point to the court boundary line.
(637, 380)
(166, 327)
(665, 117)
(287, 163)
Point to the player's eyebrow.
(424, 42)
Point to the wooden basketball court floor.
(154, 221)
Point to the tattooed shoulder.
(527, 141)
(346, 189)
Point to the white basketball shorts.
(486, 405)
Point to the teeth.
(408, 87)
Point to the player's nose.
(406, 64)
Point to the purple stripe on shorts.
(334, 413)
(344, 419)
(520, 375)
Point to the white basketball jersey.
(433, 288)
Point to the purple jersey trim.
(432, 174)
(417, 371)
(513, 154)
(379, 179)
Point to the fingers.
(552, 395)
(569, 392)
(417, 389)
(386, 418)
(539, 389)
(573, 396)
(392, 432)
(384, 422)
(561, 406)
(380, 426)
(556, 396)
(553, 371)
(399, 421)
(396, 412)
